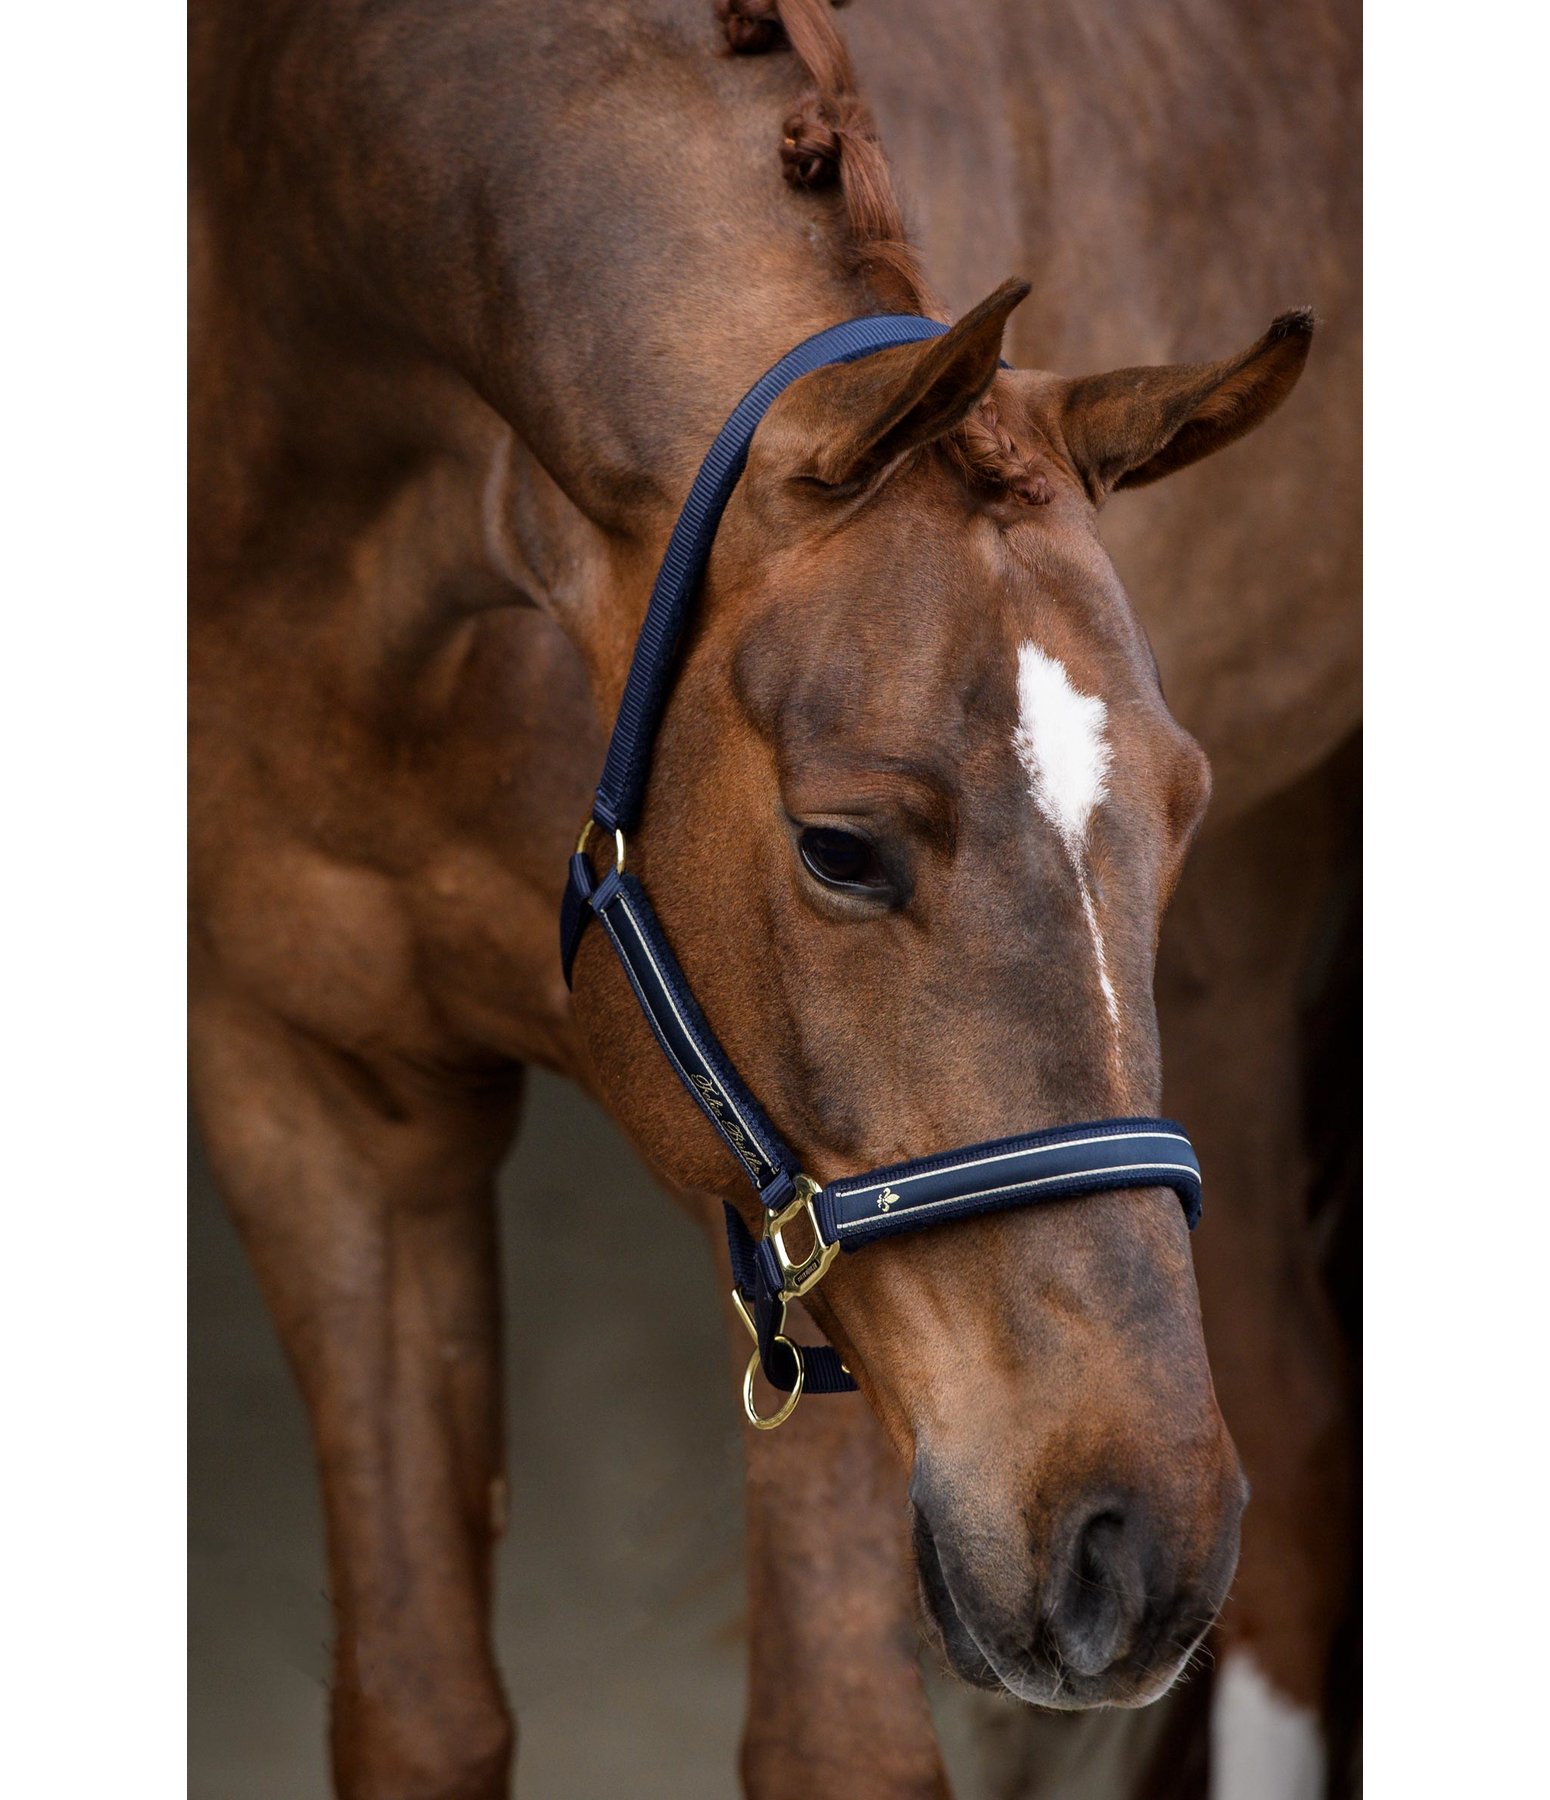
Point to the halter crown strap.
(623, 783)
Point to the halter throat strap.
(769, 1273)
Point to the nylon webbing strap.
(623, 782)
(1039, 1165)
(688, 1042)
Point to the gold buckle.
(586, 837)
(797, 1277)
(800, 1277)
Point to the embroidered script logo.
(716, 1103)
(886, 1199)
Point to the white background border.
(92, 1165)
(1458, 901)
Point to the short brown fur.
(472, 291)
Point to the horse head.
(916, 809)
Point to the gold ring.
(784, 1411)
(586, 838)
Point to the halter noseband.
(1014, 1171)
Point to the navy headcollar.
(1015, 1171)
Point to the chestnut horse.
(473, 289)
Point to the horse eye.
(841, 859)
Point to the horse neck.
(654, 275)
(624, 366)
(579, 211)
(602, 466)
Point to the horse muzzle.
(1104, 1611)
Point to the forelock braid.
(988, 455)
(831, 135)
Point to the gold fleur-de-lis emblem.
(887, 1198)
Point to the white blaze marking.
(1263, 1746)
(1110, 998)
(1061, 741)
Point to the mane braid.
(831, 136)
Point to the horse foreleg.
(836, 1705)
(367, 1209)
(1232, 991)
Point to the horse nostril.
(1098, 1596)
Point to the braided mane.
(831, 137)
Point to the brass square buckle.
(800, 1276)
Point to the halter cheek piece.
(1014, 1171)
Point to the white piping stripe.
(1110, 1137)
(1017, 1187)
(640, 994)
(752, 1136)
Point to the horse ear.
(1137, 425)
(846, 425)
